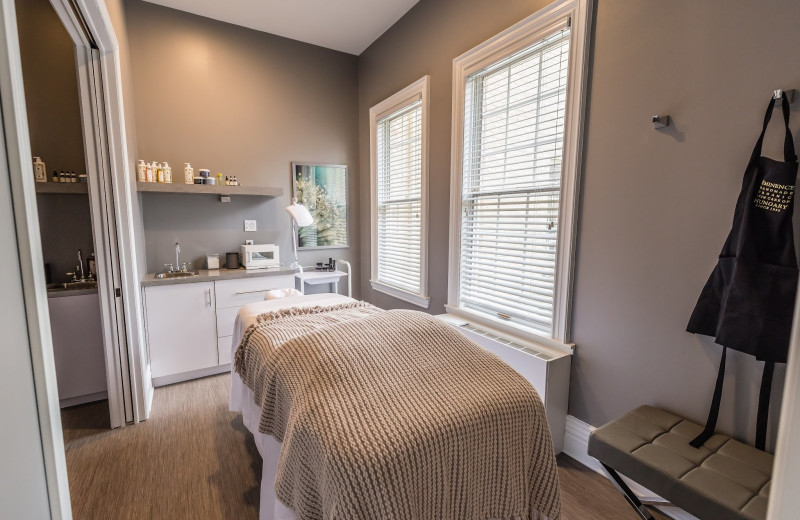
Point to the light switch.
(249, 225)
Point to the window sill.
(416, 299)
(517, 331)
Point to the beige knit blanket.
(396, 415)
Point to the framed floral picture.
(322, 189)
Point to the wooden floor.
(194, 459)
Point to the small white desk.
(319, 278)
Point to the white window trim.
(512, 40)
(419, 90)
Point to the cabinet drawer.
(238, 292)
(225, 349)
(225, 320)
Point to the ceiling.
(344, 25)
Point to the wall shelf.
(207, 189)
(72, 188)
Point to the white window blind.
(399, 198)
(514, 121)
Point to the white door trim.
(100, 86)
(15, 127)
(17, 142)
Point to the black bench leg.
(630, 496)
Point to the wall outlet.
(248, 242)
(250, 225)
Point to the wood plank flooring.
(194, 459)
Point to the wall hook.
(660, 121)
(789, 94)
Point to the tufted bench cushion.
(723, 479)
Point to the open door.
(111, 193)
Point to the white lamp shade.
(300, 215)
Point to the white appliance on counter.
(259, 256)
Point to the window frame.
(514, 39)
(417, 91)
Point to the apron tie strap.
(763, 405)
(713, 412)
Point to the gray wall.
(656, 206)
(54, 119)
(51, 87)
(243, 103)
(65, 226)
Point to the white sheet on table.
(242, 398)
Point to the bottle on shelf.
(62, 177)
(167, 172)
(149, 174)
(188, 174)
(55, 176)
(159, 173)
(141, 171)
(72, 177)
(39, 170)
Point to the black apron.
(748, 301)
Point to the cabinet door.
(181, 327)
(78, 348)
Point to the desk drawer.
(241, 291)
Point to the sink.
(64, 286)
(176, 274)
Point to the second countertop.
(206, 275)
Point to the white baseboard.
(576, 445)
(83, 399)
(194, 374)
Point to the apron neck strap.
(788, 142)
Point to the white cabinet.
(80, 357)
(190, 325)
(231, 295)
(181, 328)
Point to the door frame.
(110, 158)
(112, 196)
(26, 222)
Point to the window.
(398, 163)
(515, 168)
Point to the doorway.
(65, 220)
(112, 195)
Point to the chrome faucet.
(80, 265)
(177, 267)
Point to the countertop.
(61, 293)
(205, 275)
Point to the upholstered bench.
(722, 480)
